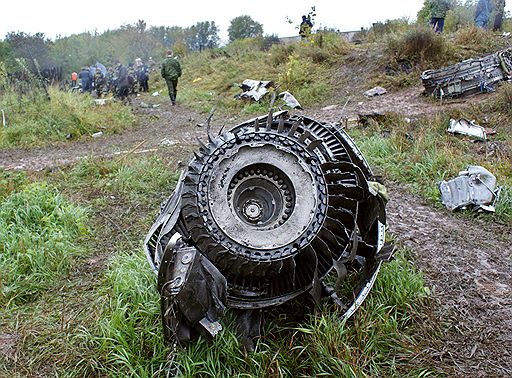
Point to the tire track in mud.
(468, 263)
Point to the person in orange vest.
(74, 76)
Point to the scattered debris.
(148, 106)
(474, 187)
(290, 100)
(377, 91)
(464, 127)
(155, 94)
(98, 134)
(469, 76)
(506, 34)
(3, 118)
(69, 136)
(166, 142)
(330, 107)
(253, 89)
(196, 80)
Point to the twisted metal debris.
(277, 208)
(469, 76)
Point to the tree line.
(126, 43)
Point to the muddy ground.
(466, 261)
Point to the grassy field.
(78, 298)
(100, 315)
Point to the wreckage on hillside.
(276, 209)
(469, 76)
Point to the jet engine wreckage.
(278, 208)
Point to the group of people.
(484, 9)
(120, 80)
(124, 80)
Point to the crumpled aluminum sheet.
(465, 127)
(475, 187)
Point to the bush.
(38, 234)
(383, 29)
(417, 45)
(475, 39)
(279, 53)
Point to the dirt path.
(468, 262)
(157, 127)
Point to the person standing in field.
(74, 77)
(438, 9)
(171, 71)
(483, 13)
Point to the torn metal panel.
(272, 210)
(465, 127)
(469, 76)
(254, 89)
(474, 187)
(290, 100)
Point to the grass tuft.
(39, 230)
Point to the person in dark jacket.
(142, 72)
(483, 13)
(85, 78)
(122, 81)
(305, 28)
(438, 9)
(171, 71)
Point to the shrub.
(417, 45)
(475, 38)
(383, 29)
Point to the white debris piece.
(254, 89)
(475, 187)
(377, 91)
(465, 127)
(100, 101)
(166, 142)
(290, 100)
(98, 134)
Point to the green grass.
(33, 121)
(112, 328)
(39, 230)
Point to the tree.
(244, 27)
(32, 48)
(203, 35)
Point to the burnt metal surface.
(274, 209)
(469, 76)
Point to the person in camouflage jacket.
(438, 10)
(171, 71)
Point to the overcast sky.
(64, 17)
